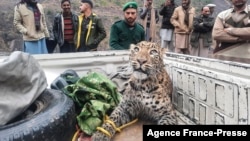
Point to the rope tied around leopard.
(107, 120)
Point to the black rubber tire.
(50, 118)
(63, 80)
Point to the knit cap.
(130, 5)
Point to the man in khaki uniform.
(182, 19)
(232, 30)
(232, 26)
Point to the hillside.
(109, 10)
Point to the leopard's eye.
(153, 52)
(136, 49)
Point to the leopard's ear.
(131, 47)
(163, 51)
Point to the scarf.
(186, 18)
(152, 24)
(37, 15)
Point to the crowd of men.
(204, 33)
(182, 29)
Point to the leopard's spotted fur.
(148, 92)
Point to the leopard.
(147, 94)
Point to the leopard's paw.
(99, 136)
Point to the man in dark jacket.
(127, 31)
(90, 31)
(166, 31)
(64, 28)
(201, 37)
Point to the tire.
(68, 77)
(50, 118)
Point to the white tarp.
(22, 80)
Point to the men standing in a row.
(150, 18)
(64, 27)
(90, 31)
(166, 31)
(127, 31)
(201, 37)
(182, 19)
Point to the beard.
(130, 20)
(186, 5)
(205, 16)
(240, 4)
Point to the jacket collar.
(91, 16)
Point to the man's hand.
(226, 25)
(146, 5)
(228, 30)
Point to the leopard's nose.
(142, 61)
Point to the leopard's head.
(146, 59)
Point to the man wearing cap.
(211, 7)
(127, 31)
(90, 31)
(201, 37)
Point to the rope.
(113, 125)
(128, 124)
(104, 131)
(107, 120)
(76, 135)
